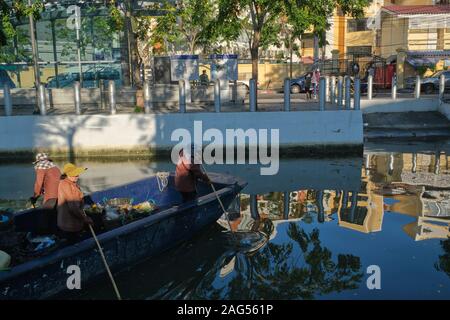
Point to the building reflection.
(411, 184)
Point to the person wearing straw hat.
(71, 218)
(46, 182)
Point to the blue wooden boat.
(173, 223)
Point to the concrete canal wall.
(444, 108)
(384, 105)
(325, 132)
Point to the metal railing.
(335, 92)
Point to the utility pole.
(77, 28)
(316, 50)
(37, 77)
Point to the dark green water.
(325, 221)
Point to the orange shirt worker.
(71, 217)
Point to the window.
(355, 25)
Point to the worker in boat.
(46, 185)
(46, 182)
(71, 218)
(187, 172)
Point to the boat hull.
(127, 245)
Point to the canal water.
(326, 225)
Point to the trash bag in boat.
(23, 247)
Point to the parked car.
(298, 84)
(246, 83)
(5, 79)
(90, 78)
(429, 84)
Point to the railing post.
(182, 96)
(77, 97)
(357, 94)
(370, 87)
(42, 104)
(417, 89)
(7, 99)
(252, 95)
(340, 91)
(333, 90)
(394, 88)
(322, 93)
(217, 99)
(102, 100)
(347, 92)
(287, 94)
(147, 97)
(112, 96)
(441, 87)
(327, 88)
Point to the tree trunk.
(290, 56)
(255, 62)
(124, 60)
(135, 61)
(254, 51)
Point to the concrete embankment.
(300, 133)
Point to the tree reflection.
(444, 260)
(299, 269)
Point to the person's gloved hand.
(33, 200)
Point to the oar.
(104, 261)
(220, 202)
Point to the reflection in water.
(301, 268)
(302, 238)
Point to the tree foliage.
(188, 22)
(10, 11)
(262, 20)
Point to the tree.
(444, 260)
(262, 20)
(188, 22)
(10, 11)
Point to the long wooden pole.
(221, 204)
(104, 261)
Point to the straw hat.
(72, 170)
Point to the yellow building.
(414, 27)
(387, 27)
(348, 35)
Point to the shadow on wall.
(60, 136)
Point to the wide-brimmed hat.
(72, 170)
(41, 157)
